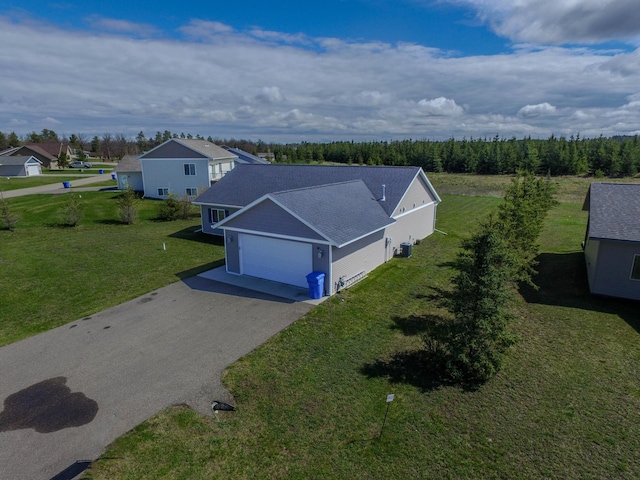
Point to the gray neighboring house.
(46, 159)
(612, 239)
(245, 157)
(19, 166)
(129, 173)
(282, 222)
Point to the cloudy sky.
(321, 70)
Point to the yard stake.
(390, 398)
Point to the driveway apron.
(69, 392)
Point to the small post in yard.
(390, 398)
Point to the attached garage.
(33, 169)
(283, 261)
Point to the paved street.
(68, 393)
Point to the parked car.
(80, 164)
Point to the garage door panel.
(275, 259)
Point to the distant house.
(46, 159)
(54, 148)
(612, 239)
(19, 166)
(129, 173)
(183, 167)
(282, 222)
(245, 157)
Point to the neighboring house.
(46, 159)
(19, 166)
(612, 240)
(183, 167)
(282, 222)
(54, 148)
(129, 173)
(245, 157)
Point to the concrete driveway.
(69, 392)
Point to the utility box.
(316, 285)
(406, 249)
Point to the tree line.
(613, 157)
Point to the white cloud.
(539, 110)
(221, 82)
(560, 21)
(121, 26)
(440, 106)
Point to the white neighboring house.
(183, 167)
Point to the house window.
(635, 269)
(191, 192)
(163, 192)
(189, 168)
(217, 215)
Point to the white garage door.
(33, 170)
(279, 260)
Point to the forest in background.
(600, 157)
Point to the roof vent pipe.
(383, 193)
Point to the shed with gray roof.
(612, 239)
(282, 222)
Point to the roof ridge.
(310, 187)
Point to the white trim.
(261, 233)
(415, 209)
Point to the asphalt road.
(69, 392)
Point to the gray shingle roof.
(17, 159)
(128, 163)
(246, 183)
(341, 212)
(245, 157)
(614, 211)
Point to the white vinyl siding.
(283, 261)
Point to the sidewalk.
(57, 188)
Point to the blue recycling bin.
(113, 176)
(316, 285)
(66, 184)
(101, 171)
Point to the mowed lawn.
(311, 401)
(51, 274)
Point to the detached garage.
(19, 166)
(287, 221)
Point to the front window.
(189, 168)
(217, 215)
(191, 192)
(635, 269)
(163, 192)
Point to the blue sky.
(322, 70)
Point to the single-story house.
(612, 239)
(54, 148)
(282, 222)
(245, 157)
(183, 167)
(129, 173)
(46, 159)
(19, 166)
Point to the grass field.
(51, 275)
(15, 183)
(311, 401)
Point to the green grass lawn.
(51, 275)
(311, 401)
(15, 183)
